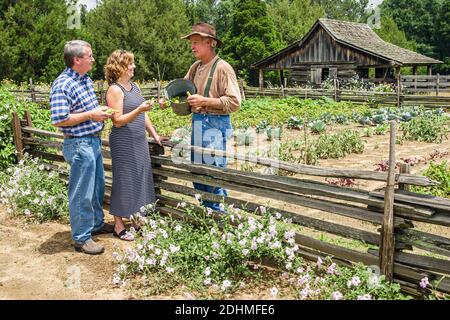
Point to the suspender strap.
(211, 74)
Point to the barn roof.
(361, 37)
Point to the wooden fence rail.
(171, 174)
(374, 98)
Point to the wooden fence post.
(17, 135)
(387, 239)
(335, 88)
(159, 89)
(399, 90)
(241, 82)
(437, 84)
(282, 92)
(157, 150)
(404, 168)
(32, 93)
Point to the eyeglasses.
(88, 57)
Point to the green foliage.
(293, 19)
(8, 105)
(317, 126)
(32, 40)
(31, 191)
(439, 172)
(347, 10)
(390, 32)
(426, 22)
(338, 145)
(252, 37)
(428, 128)
(152, 30)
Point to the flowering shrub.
(28, 189)
(217, 256)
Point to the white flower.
(207, 271)
(288, 265)
(245, 252)
(365, 297)
(198, 197)
(150, 262)
(27, 212)
(116, 280)
(240, 226)
(178, 228)
(169, 269)
(213, 231)
(221, 207)
(207, 281)
(174, 249)
(243, 242)
(157, 251)
(209, 211)
(226, 284)
(216, 245)
(274, 292)
(262, 209)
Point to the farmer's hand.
(164, 103)
(99, 114)
(196, 101)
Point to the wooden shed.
(341, 49)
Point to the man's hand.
(196, 100)
(99, 114)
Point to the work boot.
(89, 247)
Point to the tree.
(32, 39)
(347, 10)
(201, 10)
(152, 30)
(390, 32)
(417, 18)
(252, 36)
(443, 36)
(293, 18)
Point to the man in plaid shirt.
(75, 110)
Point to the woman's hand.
(146, 106)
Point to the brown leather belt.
(97, 134)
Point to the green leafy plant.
(426, 128)
(317, 126)
(439, 172)
(9, 104)
(338, 145)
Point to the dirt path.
(37, 261)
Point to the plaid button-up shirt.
(73, 93)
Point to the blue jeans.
(86, 186)
(210, 131)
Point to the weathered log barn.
(341, 49)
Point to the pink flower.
(424, 282)
(319, 262)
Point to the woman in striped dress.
(132, 185)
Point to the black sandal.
(123, 235)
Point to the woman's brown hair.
(117, 64)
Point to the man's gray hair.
(72, 49)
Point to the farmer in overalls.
(217, 96)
